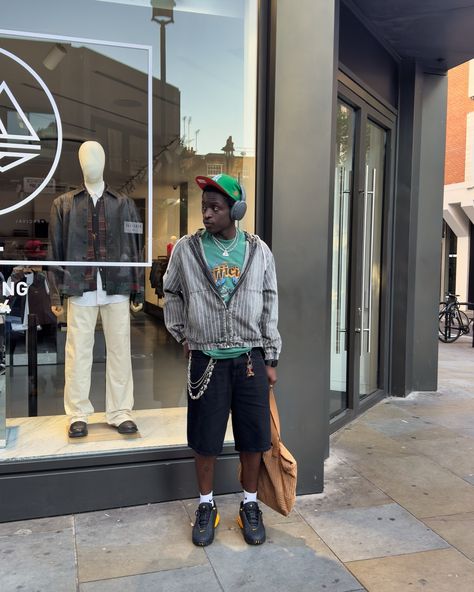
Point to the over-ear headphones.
(237, 211)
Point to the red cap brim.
(204, 182)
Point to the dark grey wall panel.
(417, 230)
(405, 210)
(429, 229)
(360, 51)
(56, 492)
(306, 59)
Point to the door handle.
(359, 317)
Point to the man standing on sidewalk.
(221, 303)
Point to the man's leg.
(250, 469)
(207, 422)
(207, 516)
(251, 423)
(205, 473)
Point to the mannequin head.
(92, 161)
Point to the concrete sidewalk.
(397, 515)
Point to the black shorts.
(230, 389)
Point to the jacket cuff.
(271, 354)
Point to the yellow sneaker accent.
(217, 521)
(239, 522)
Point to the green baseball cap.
(223, 183)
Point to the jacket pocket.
(247, 311)
(205, 320)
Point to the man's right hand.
(57, 310)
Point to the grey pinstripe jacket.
(194, 310)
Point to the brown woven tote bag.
(278, 470)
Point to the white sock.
(206, 499)
(249, 497)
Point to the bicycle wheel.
(465, 322)
(449, 326)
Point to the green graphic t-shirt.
(225, 259)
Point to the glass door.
(362, 136)
(375, 139)
(340, 264)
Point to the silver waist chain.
(203, 381)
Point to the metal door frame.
(367, 108)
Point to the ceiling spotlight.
(55, 56)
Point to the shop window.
(68, 77)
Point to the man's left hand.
(271, 375)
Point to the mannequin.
(170, 245)
(109, 221)
(92, 162)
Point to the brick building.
(458, 207)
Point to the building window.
(214, 169)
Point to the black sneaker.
(207, 518)
(251, 522)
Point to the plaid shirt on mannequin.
(96, 237)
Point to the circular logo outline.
(47, 179)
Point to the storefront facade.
(331, 132)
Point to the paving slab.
(386, 408)
(26, 527)
(293, 559)
(364, 533)
(343, 488)
(359, 443)
(453, 452)
(458, 530)
(419, 484)
(38, 562)
(186, 579)
(130, 541)
(433, 571)
(459, 420)
(451, 395)
(392, 419)
(432, 432)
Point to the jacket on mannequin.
(70, 239)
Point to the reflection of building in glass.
(177, 198)
(99, 98)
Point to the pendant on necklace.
(225, 253)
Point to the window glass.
(168, 91)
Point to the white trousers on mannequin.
(81, 322)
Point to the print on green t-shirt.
(226, 271)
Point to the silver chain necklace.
(226, 250)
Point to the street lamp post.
(163, 15)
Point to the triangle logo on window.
(16, 148)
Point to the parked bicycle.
(452, 321)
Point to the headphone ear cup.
(238, 210)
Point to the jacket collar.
(107, 189)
